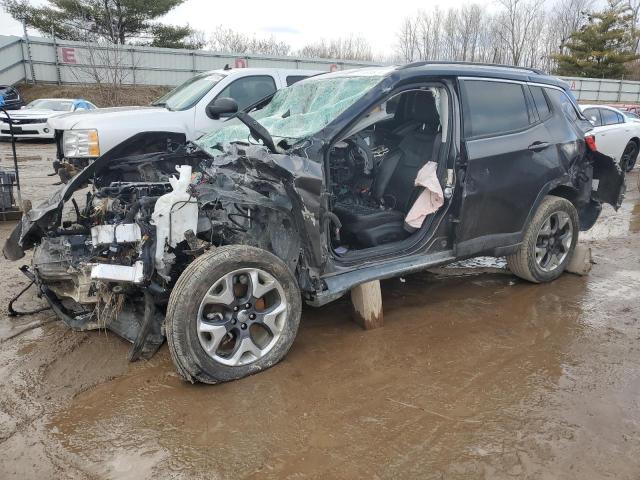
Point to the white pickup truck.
(82, 137)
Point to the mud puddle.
(473, 376)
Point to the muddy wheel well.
(566, 192)
(587, 213)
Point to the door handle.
(537, 146)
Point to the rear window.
(291, 79)
(541, 102)
(494, 108)
(568, 108)
(609, 117)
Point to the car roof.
(456, 69)
(264, 71)
(606, 107)
(483, 70)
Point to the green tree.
(117, 21)
(603, 47)
(170, 36)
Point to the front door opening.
(373, 170)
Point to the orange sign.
(240, 63)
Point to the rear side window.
(609, 117)
(494, 108)
(593, 115)
(291, 79)
(540, 100)
(567, 106)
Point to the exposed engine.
(113, 261)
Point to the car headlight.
(80, 143)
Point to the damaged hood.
(303, 175)
(38, 219)
(35, 223)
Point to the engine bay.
(110, 255)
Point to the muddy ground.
(474, 375)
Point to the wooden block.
(367, 305)
(580, 263)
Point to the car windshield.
(189, 93)
(297, 111)
(55, 105)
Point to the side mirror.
(222, 106)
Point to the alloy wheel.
(553, 242)
(242, 316)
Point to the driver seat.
(418, 124)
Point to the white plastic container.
(121, 233)
(174, 213)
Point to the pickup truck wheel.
(548, 243)
(233, 312)
(629, 156)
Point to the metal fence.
(53, 61)
(603, 90)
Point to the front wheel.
(233, 312)
(549, 242)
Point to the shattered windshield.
(297, 111)
(189, 93)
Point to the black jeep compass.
(337, 180)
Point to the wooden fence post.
(367, 305)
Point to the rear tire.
(629, 156)
(233, 312)
(549, 242)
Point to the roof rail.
(496, 65)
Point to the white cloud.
(295, 21)
(301, 21)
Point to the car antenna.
(227, 67)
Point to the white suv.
(82, 137)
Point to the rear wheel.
(629, 156)
(233, 312)
(548, 243)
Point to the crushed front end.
(109, 247)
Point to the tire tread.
(181, 296)
(522, 263)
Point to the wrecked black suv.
(337, 180)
